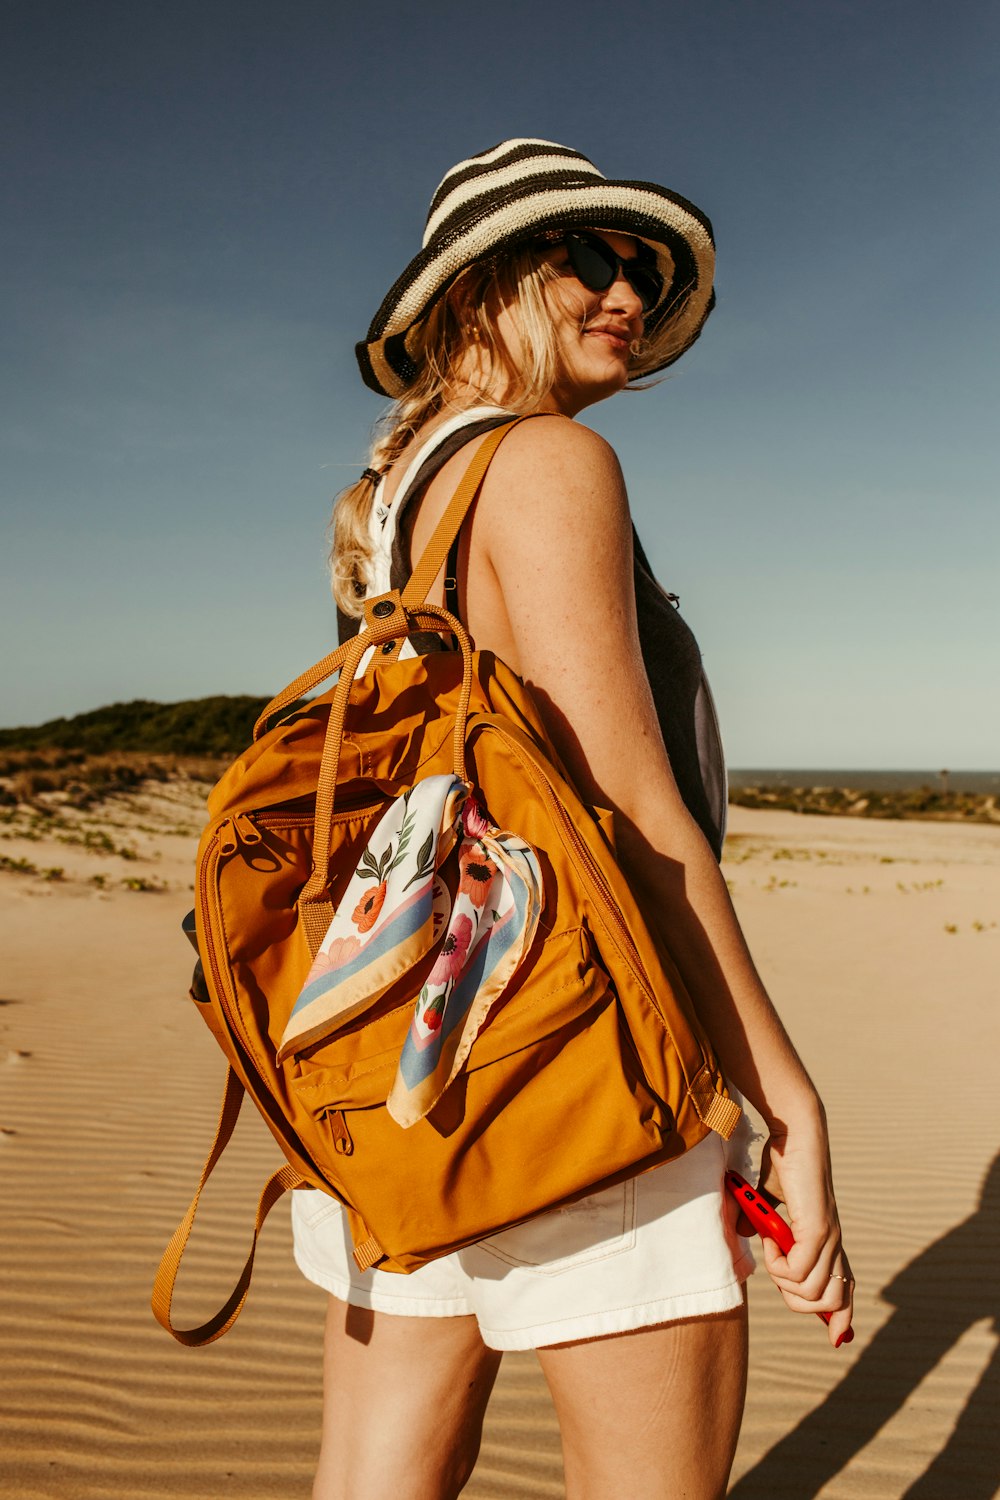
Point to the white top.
(383, 518)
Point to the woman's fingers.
(839, 1326)
(830, 1294)
(814, 1276)
(808, 1267)
(821, 1290)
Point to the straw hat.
(507, 195)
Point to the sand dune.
(881, 944)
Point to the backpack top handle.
(315, 906)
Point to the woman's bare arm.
(554, 521)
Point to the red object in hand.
(769, 1225)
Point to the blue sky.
(206, 203)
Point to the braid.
(453, 326)
(351, 551)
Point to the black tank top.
(670, 653)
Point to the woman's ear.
(459, 298)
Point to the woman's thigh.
(655, 1413)
(403, 1405)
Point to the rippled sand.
(881, 946)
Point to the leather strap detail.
(386, 624)
(384, 616)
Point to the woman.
(544, 288)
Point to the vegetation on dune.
(123, 745)
(198, 726)
(118, 748)
(28, 776)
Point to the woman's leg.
(403, 1405)
(653, 1414)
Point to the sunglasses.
(595, 264)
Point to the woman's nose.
(622, 297)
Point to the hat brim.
(678, 232)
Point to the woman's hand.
(815, 1276)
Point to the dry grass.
(37, 778)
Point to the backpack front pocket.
(550, 1102)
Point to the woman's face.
(593, 330)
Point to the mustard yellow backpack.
(422, 960)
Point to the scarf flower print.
(397, 909)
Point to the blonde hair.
(464, 320)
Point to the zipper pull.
(246, 829)
(239, 829)
(226, 834)
(342, 1141)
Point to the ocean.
(983, 782)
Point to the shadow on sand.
(952, 1284)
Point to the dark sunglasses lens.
(647, 285)
(595, 264)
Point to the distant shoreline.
(921, 803)
(49, 778)
(944, 796)
(214, 730)
(982, 782)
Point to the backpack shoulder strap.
(438, 547)
(278, 1183)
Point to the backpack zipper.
(246, 830)
(592, 870)
(242, 828)
(228, 1003)
(239, 829)
(343, 1142)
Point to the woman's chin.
(605, 381)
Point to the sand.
(881, 945)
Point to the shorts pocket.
(591, 1229)
(314, 1207)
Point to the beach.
(880, 942)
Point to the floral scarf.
(397, 908)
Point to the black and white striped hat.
(507, 195)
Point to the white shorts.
(659, 1247)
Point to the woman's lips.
(612, 336)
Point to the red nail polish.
(845, 1338)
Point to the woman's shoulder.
(552, 433)
(552, 469)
